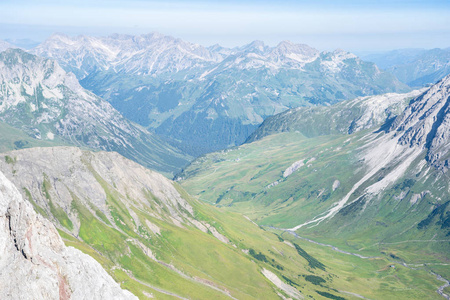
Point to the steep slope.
(426, 123)
(35, 264)
(345, 117)
(158, 242)
(47, 103)
(212, 98)
(369, 192)
(136, 223)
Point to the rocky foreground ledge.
(35, 263)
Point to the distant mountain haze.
(211, 98)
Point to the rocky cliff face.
(142, 227)
(61, 177)
(426, 123)
(35, 263)
(40, 98)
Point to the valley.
(146, 166)
(154, 239)
(207, 99)
(366, 193)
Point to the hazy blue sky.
(324, 24)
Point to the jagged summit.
(290, 47)
(152, 53)
(426, 123)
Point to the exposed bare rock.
(291, 291)
(294, 167)
(35, 263)
(426, 123)
(336, 184)
(345, 117)
(40, 98)
(59, 176)
(63, 174)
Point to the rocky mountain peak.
(426, 123)
(287, 48)
(5, 45)
(152, 53)
(256, 47)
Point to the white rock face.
(426, 123)
(35, 263)
(149, 54)
(56, 100)
(71, 171)
(40, 98)
(375, 109)
(294, 167)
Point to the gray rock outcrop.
(35, 263)
(426, 123)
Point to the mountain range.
(41, 99)
(415, 67)
(211, 98)
(337, 188)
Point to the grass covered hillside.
(375, 192)
(157, 241)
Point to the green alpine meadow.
(247, 149)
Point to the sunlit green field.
(384, 228)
